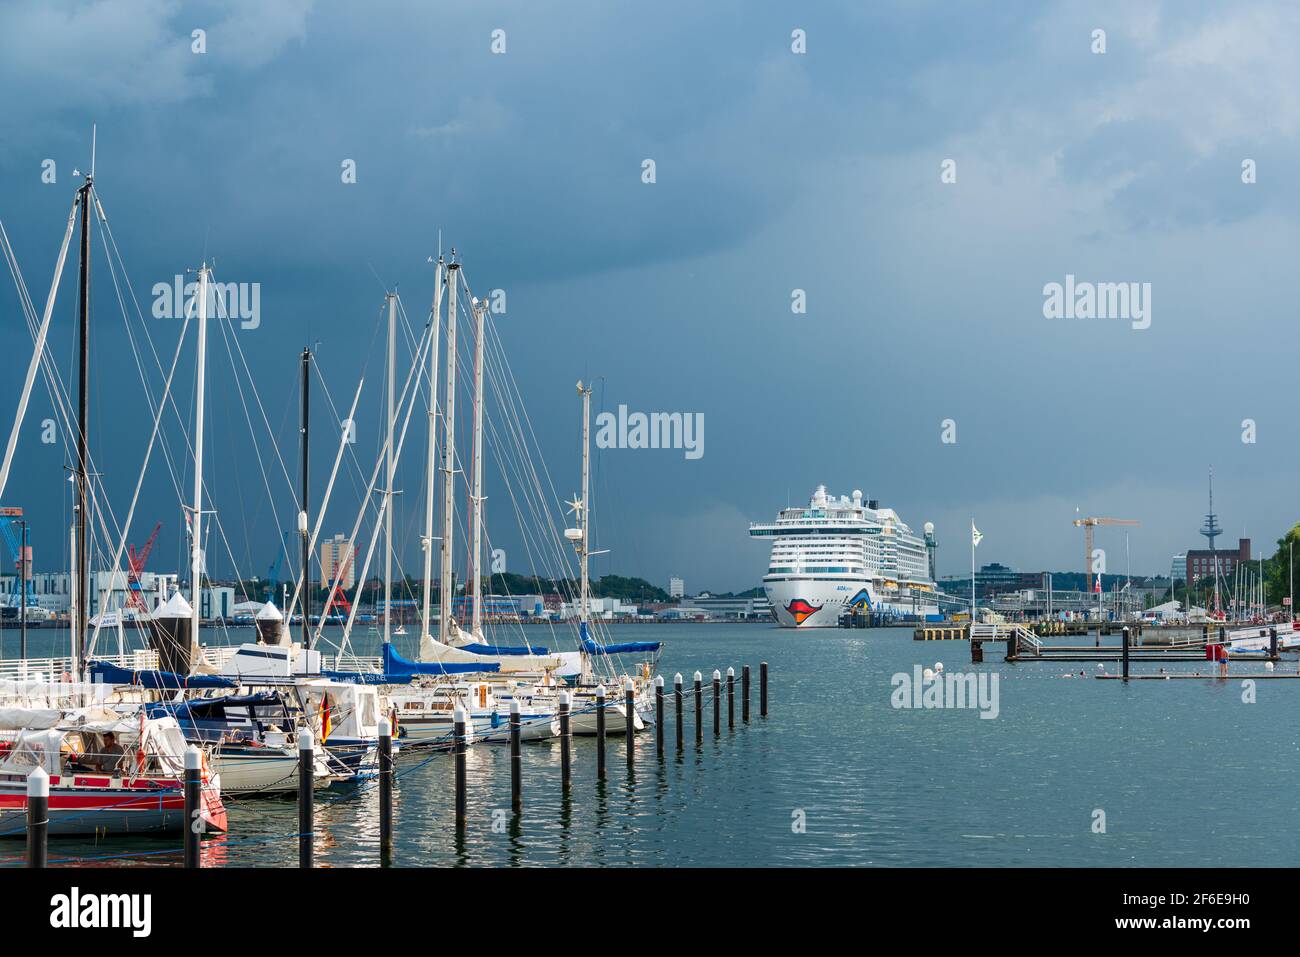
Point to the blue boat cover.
(113, 675)
(626, 648)
(481, 649)
(395, 664)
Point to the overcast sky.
(775, 171)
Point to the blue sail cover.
(481, 649)
(395, 664)
(627, 648)
(111, 674)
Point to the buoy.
(927, 674)
(938, 666)
(1268, 666)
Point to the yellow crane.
(1088, 524)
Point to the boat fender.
(496, 720)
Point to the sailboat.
(133, 783)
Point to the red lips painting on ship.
(801, 611)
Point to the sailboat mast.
(449, 452)
(431, 455)
(196, 556)
(476, 578)
(584, 599)
(83, 425)
(303, 522)
(388, 469)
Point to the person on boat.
(107, 759)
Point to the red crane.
(135, 561)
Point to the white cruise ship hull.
(809, 603)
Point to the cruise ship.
(845, 553)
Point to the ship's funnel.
(269, 624)
(169, 634)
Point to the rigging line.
(324, 505)
(31, 369)
(135, 496)
(148, 394)
(266, 422)
(361, 512)
(257, 451)
(48, 369)
(520, 412)
(107, 230)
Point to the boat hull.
(111, 811)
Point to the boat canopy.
(113, 675)
(395, 664)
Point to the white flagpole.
(972, 569)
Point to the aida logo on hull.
(862, 598)
(801, 611)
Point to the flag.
(325, 726)
(975, 535)
(1097, 587)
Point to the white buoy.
(938, 666)
(1268, 666)
(927, 674)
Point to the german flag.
(324, 718)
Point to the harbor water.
(1072, 771)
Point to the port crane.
(135, 565)
(1088, 524)
(9, 517)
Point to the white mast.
(449, 450)
(427, 542)
(388, 464)
(476, 577)
(196, 555)
(584, 603)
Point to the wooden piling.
(385, 790)
(659, 716)
(566, 736)
(762, 689)
(731, 698)
(459, 729)
(193, 810)
(699, 708)
(677, 696)
(1125, 652)
(516, 759)
(600, 732)
(629, 716)
(744, 694)
(717, 702)
(38, 818)
(306, 798)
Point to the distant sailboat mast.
(431, 456)
(449, 460)
(476, 553)
(82, 553)
(196, 554)
(388, 469)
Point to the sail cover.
(626, 648)
(479, 648)
(395, 664)
(111, 674)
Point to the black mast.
(302, 519)
(83, 503)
